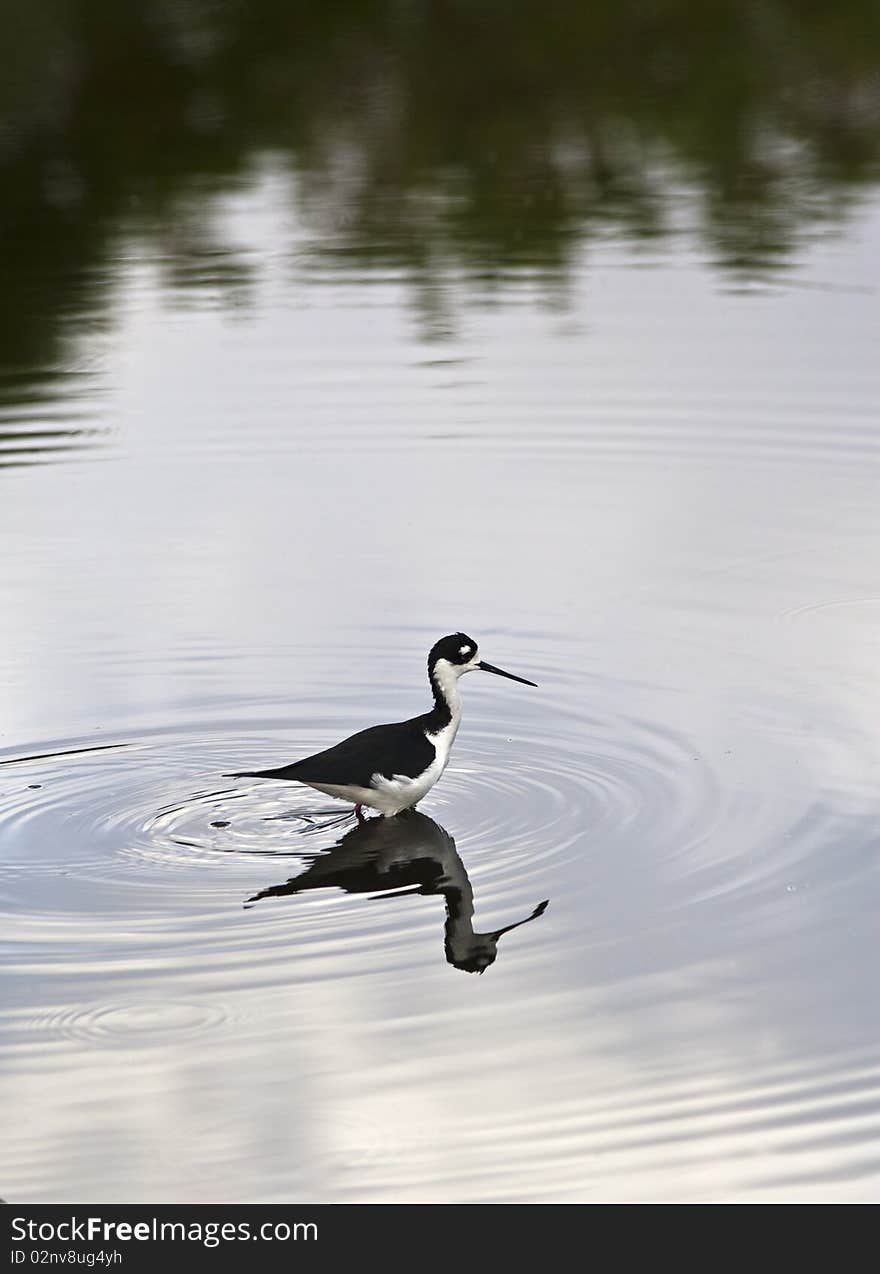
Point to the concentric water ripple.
(628, 815)
(149, 1023)
(867, 609)
(154, 833)
(513, 803)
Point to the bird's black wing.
(401, 748)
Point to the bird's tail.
(283, 772)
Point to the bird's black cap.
(457, 648)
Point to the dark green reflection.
(409, 854)
(491, 137)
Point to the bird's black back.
(400, 748)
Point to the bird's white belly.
(356, 795)
(389, 796)
(400, 792)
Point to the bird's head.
(452, 656)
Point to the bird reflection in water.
(397, 857)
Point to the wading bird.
(391, 767)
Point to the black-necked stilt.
(391, 767)
(409, 855)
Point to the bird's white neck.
(447, 698)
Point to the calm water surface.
(264, 445)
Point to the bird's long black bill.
(499, 672)
(539, 911)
